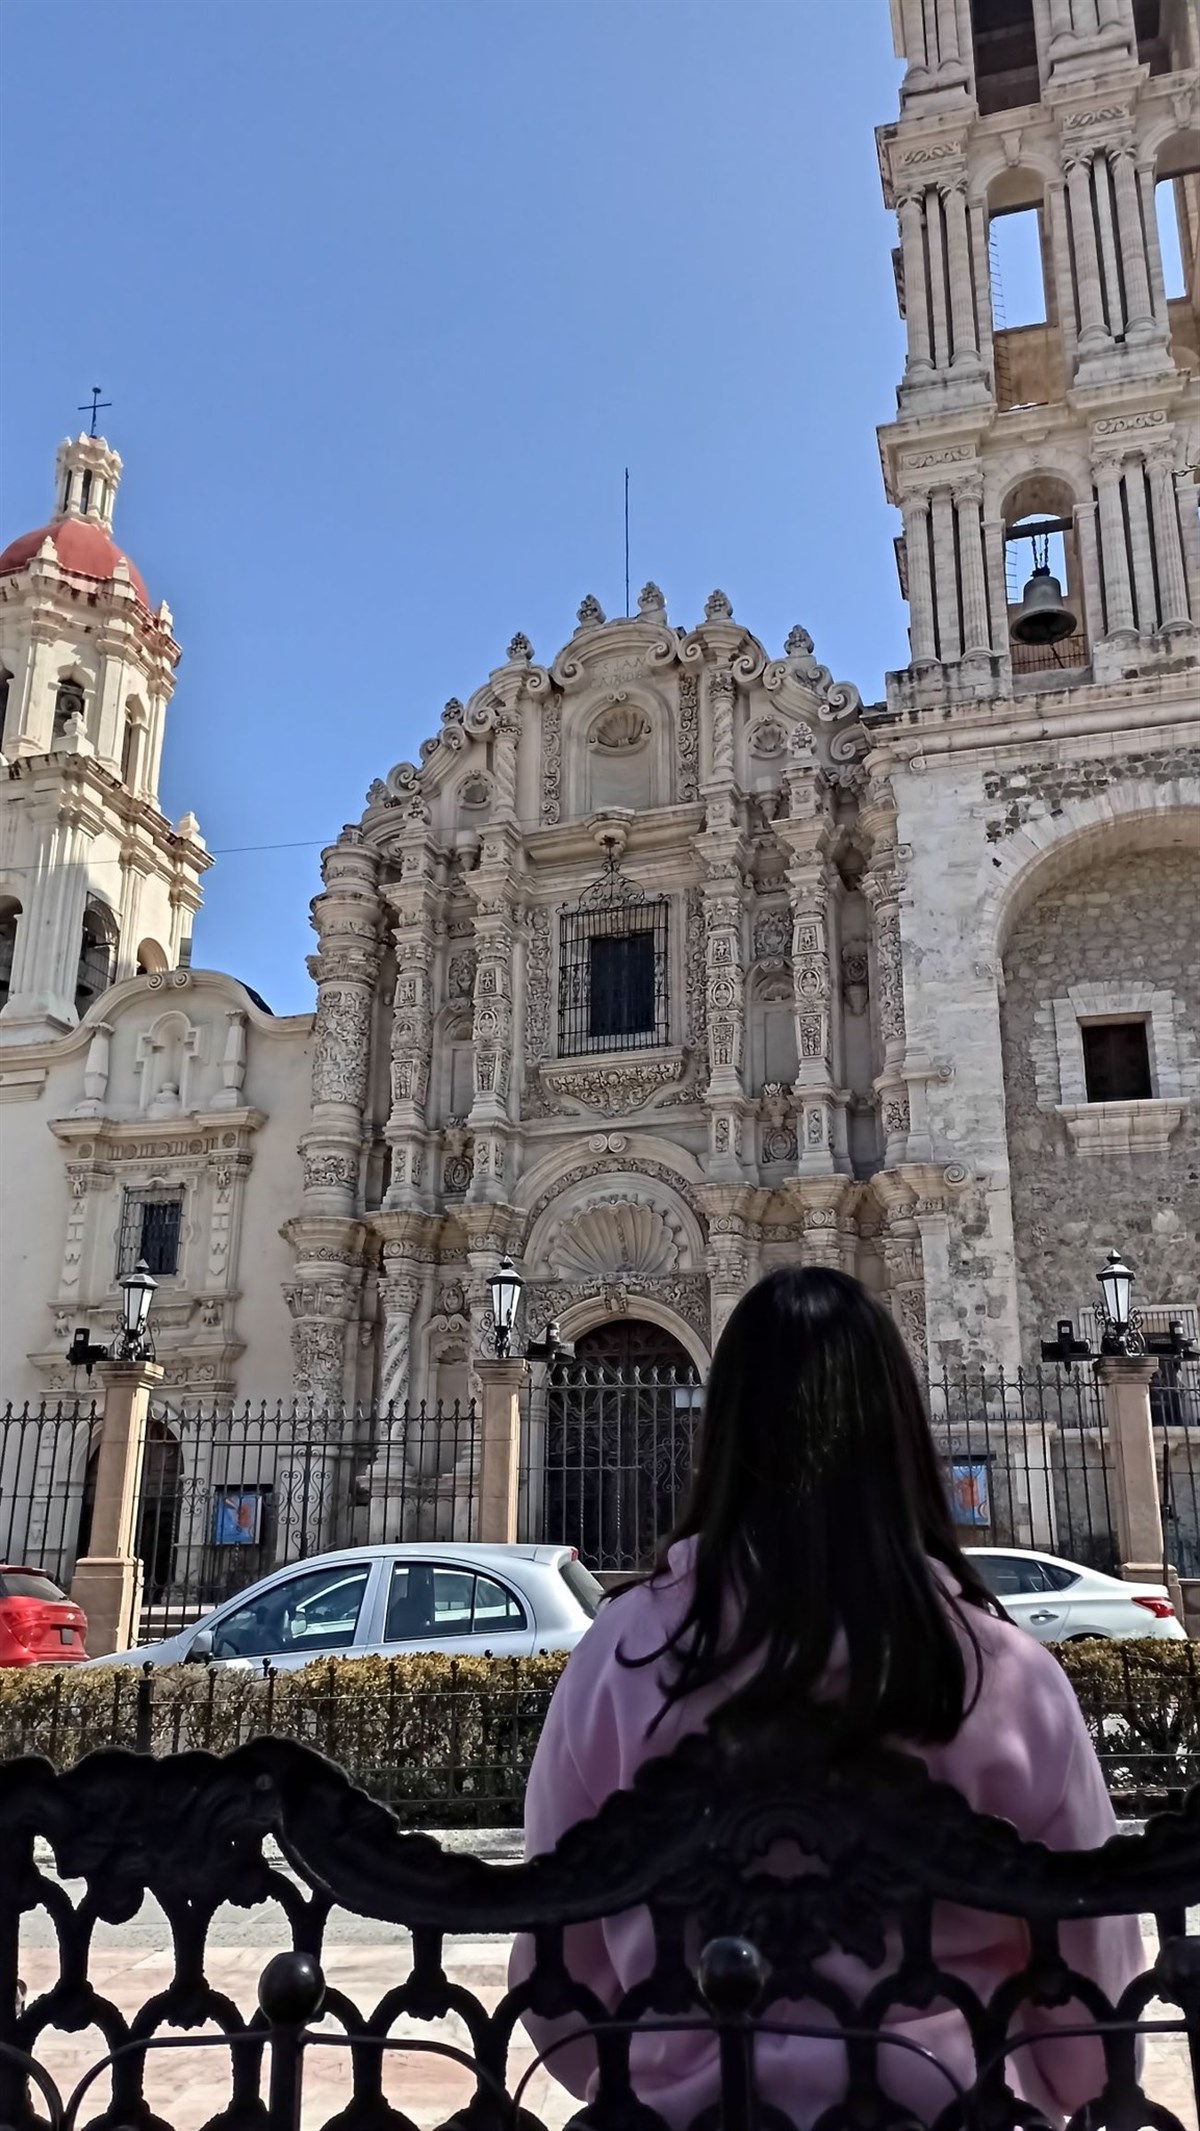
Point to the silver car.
(1060, 1602)
(384, 1601)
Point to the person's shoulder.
(632, 1624)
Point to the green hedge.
(450, 1740)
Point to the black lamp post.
(507, 1288)
(138, 1290)
(1116, 1282)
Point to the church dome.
(83, 547)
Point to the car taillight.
(1161, 1608)
(574, 1553)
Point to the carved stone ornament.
(688, 749)
(652, 607)
(718, 607)
(342, 1045)
(772, 936)
(460, 977)
(620, 730)
(617, 1238)
(520, 650)
(768, 740)
(552, 760)
(613, 1089)
(591, 613)
(475, 791)
(855, 976)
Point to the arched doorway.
(620, 1423)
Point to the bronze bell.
(1043, 616)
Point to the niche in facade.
(620, 762)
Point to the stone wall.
(1125, 926)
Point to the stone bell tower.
(95, 884)
(1067, 440)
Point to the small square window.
(151, 1229)
(1116, 1060)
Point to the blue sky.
(386, 293)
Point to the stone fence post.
(1124, 1381)
(499, 1449)
(108, 1580)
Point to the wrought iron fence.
(606, 1457)
(228, 1494)
(730, 1961)
(1175, 1410)
(45, 1451)
(1026, 1461)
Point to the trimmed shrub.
(449, 1740)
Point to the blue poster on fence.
(237, 1517)
(970, 1492)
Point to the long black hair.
(818, 1509)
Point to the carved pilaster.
(725, 1010)
(347, 919)
(399, 1294)
(881, 885)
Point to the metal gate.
(608, 1465)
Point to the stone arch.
(1128, 815)
(604, 1153)
(592, 1311)
(1033, 499)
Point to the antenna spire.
(627, 543)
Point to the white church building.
(671, 960)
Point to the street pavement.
(363, 1959)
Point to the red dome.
(83, 548)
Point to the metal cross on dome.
(98, 405)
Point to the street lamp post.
(138, 1290)
(1116, 1282)
(506, 1287)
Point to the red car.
(39, 1624)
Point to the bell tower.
(1045, 174)
(95, 884)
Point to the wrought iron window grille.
(151, 1229)
(613, 992)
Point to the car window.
(425, 1599)
(315, 1613)
(583, 1587)
(1058, 1578)
(1008, 1576)
(30, 1583)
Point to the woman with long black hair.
(816, 1565)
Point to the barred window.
(612, 976)
(151, 1227)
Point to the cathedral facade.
(671, 960)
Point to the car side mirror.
(200, 1649)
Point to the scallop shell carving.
(622, 727)
(617, 1239)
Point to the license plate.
(66, 1635)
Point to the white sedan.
(1060, 1602)
(389, 1601)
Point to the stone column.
(399, 1293)
(1139, 541)
(496, 921)
(946, 576)
(962, 281)
(1102, 194)
(881, 886)
(498, 1457)
(1125, 1381)
(1089, 296)
(935, 229)
(1089, 565)
(411, 1043)
(911, 212)
(920, 581)
(1118, 620)
(725, 999)
(977, 635)
(347, 919)
(1189, 527)
(1168, 547)
(816, 1094)
(1060, 256)
(108, 1580)
(1149, 221)
(1139, 323)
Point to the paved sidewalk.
(363, 1959)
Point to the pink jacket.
(1023, 1754)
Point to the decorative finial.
(452, 712)
(520, 651)
(591, 613)
(799, 642)
(651, 604)
(718, 608)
